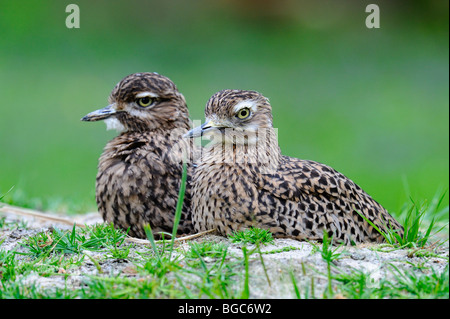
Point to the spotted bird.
(242, 180)
(139, 172)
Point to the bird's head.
(143, 102)
(235, 116)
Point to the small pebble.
(356, 256)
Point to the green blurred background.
(372, 103)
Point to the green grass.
(414, 217)
(329, 255)
(199, 269)
(252, 235)
(427, 285)
(206, 249)
(15, 224)
(75, 241)
(396, 283)
(3, 195)
(179, 206)
(158, 270)
(404, 284)
(18, 197)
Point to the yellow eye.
(145, 101)
(243, 113)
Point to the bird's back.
(309, 197)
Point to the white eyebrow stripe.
(147, 93)
(245, 104)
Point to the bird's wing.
(293, 178)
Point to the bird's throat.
(260, 151)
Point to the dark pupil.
(244, 113)
(145, 100)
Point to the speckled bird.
(139, 172)
(243, 180)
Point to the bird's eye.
(243, 113)
(145, 101)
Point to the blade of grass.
(439, 201)
(177, 218)
(258, 249)
(386, 236)
(425, 238)
(1, 196)
(149, 233)
(294, 283)
(246, 291)
(186, 291)
(96, 263)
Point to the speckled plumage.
(243, 180)
(139, 172)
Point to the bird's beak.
(100, 114)
(201, 130)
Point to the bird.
(242, 180)
(140, 170)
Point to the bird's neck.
(262, 151)
(167, 144)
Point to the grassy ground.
(98, 261)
